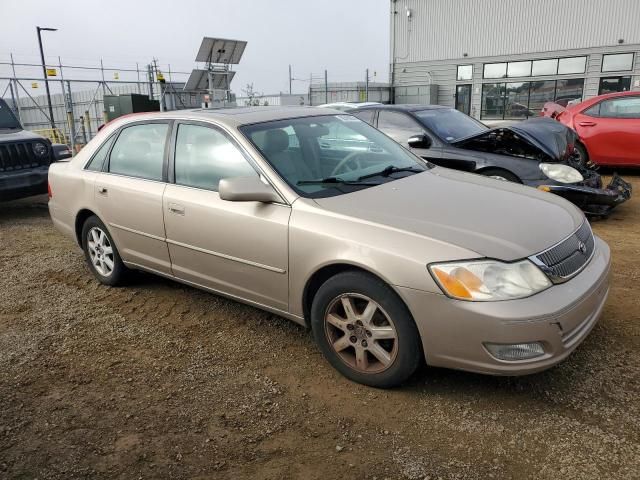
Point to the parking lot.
(160, 380)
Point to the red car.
(608, 127)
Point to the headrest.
(276, 141)
(312, 131)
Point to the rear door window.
(139, 151)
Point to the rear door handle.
(103, 190)
(587, 124)
(177, 209)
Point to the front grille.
(20, 156)
(567, 258)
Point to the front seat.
(289, 164)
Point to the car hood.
(494, 218)
(545, 135)
(18, 135)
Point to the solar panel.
(220, 50)
(199, 80)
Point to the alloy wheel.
(100, 251)
(361, 333)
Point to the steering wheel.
(345, 165)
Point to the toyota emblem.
(582, 247)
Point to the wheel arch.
(324, 273)
(81, 217)
(482, 171)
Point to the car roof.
(414, 107)
(235, 117)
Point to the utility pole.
(150, 77)
(366, 87)
(15, 82)
(44, 70)
(289, 79)
(326, 88)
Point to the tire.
(582, 156)
(103, 259)
(390, 333)
(500, 174)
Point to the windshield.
(7, 118)
(450, 124)
(329, 155)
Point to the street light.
(44, 70)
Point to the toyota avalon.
(389, 260)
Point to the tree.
(253, 97)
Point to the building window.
(492, 106)
(545, 67)
(517, 101)
(571, 65)
(520, 100)
(541, 93)
(463, 98)
(617, 62)
(465, 72)
(495, 70)
(614, 84)
(568, 89)
(519, 69)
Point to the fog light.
(515, 351)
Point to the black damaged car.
(24, 158)
(538, 152)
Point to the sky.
(343, 36)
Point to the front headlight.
(489, 280)
(561, 173)
(40, 149)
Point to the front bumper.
(591, 197)
(453, 332)
(23, 183)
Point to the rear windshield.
(7, 118)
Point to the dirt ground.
(159, 380)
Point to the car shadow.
(32, 207)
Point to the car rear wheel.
(365, 330)
(101, 253)
(500, 174)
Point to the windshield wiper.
(336, 180)
(391, 169)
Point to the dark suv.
(24, 158)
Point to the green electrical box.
(118, 105)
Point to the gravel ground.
(159, 380)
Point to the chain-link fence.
(77, 95)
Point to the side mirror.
(420, 141)
(61, 152)
(247, 189)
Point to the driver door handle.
(587, 124)
(177, 209)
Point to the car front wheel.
(365, 330)
(582, 156)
